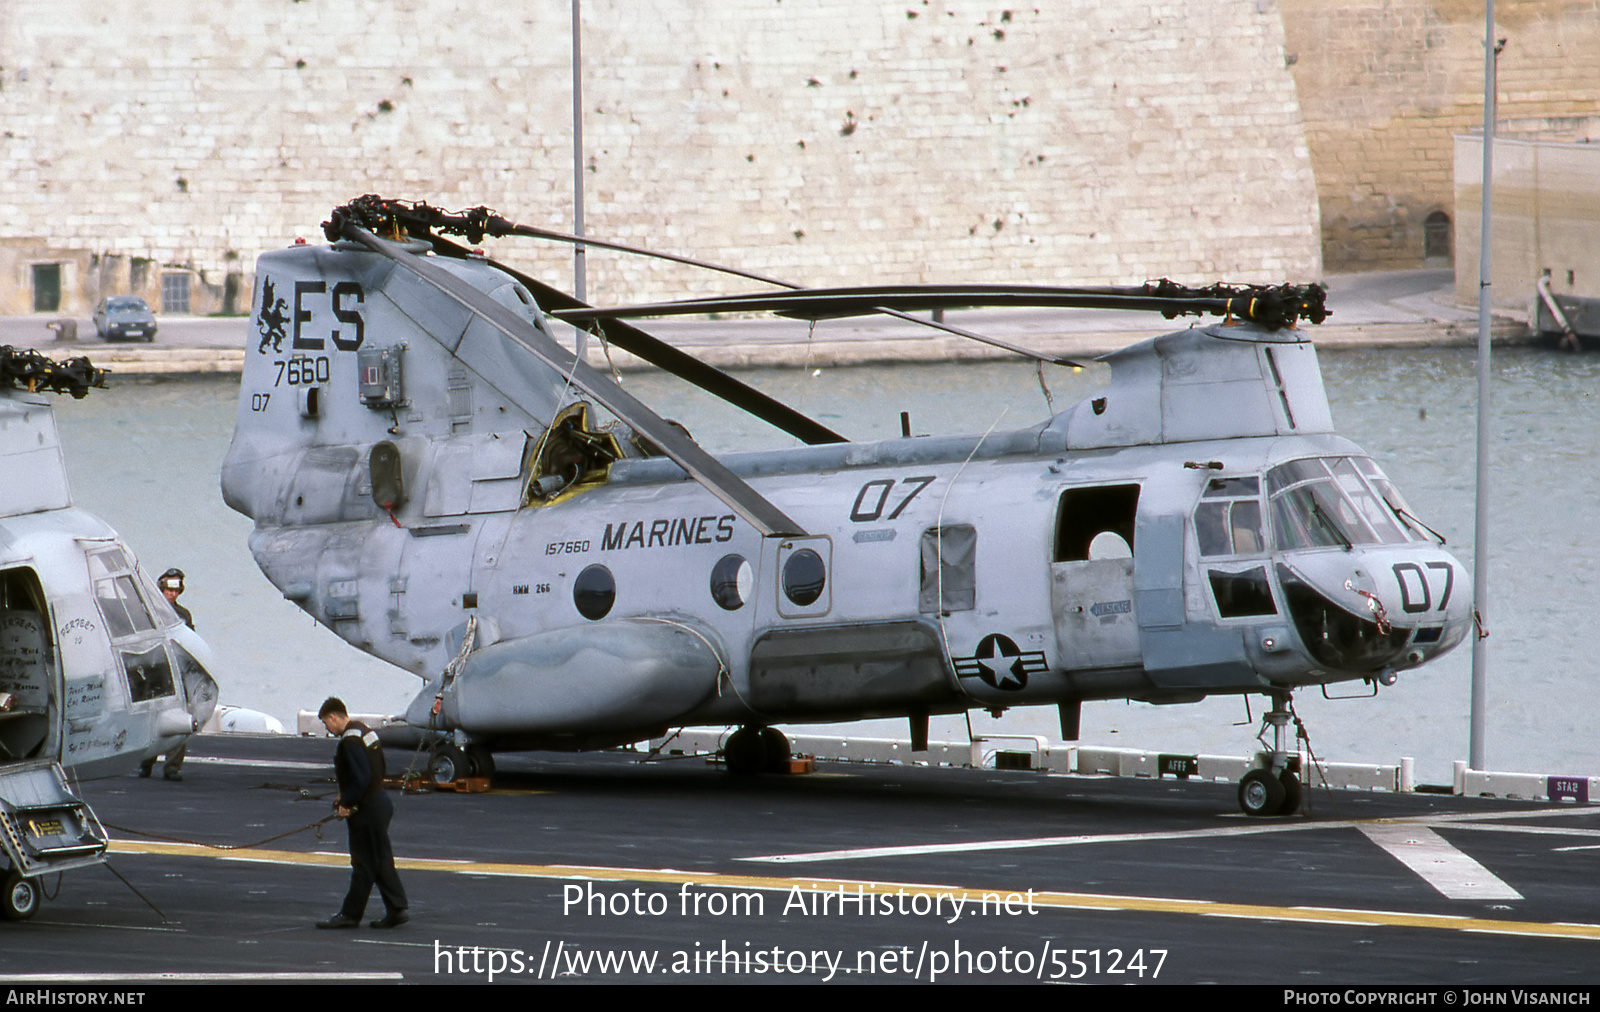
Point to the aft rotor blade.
(705, 469)
(981, 338)
(681, 364)
(707, 377)
(544, 233)
(532, 232)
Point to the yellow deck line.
(1062, 900)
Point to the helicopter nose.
(1412, 590)
(1408, 606)
(1431, 591)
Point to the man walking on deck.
(367, 811)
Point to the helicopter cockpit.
(1311, 538)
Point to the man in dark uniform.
(367, 811)
(171, 583)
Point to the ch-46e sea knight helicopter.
(428, 480)
(96, 671)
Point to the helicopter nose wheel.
(1273, 788)
(1291, 793)
(751, 750)
(20, 899)
(1263, 792)
(1260, 793)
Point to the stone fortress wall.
(1385, 86)
(825, 141)
(821, 141)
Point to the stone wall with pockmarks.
(821, 141)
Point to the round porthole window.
(804, 576)
(594, 592)
(732, 579)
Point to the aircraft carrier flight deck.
(605, 867)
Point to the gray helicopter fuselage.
(1199, 528)
(101, 672)
(96, 671)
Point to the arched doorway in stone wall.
(1438, 240)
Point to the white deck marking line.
(1535, 830)
(423, 945)
(1524, 813)
(1454, 821)
(1439, 864)
(916, 850)
(117, 927)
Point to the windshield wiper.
(1412, 521)
(1329, 525)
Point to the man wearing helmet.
(171, 583)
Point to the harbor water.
(145, 455)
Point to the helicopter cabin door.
(1091, 577)
(43, 826)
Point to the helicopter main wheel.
(480, 762)
(21, 898)
(745, 753)
(1291, 793)
(776, 751)
(449, 765)
(1260, 793)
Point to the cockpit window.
(108, 562)
(1228, 519)
(149, 674)
(1370, 506)
(1325, 502)
(1242, 595)
(124, 610)
(1415, 529)
(1225, 488)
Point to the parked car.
(124, 318)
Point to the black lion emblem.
(272, 319)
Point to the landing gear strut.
(1273, 788)
(751, 750)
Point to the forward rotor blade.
(705, 469)
(1272, 307)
